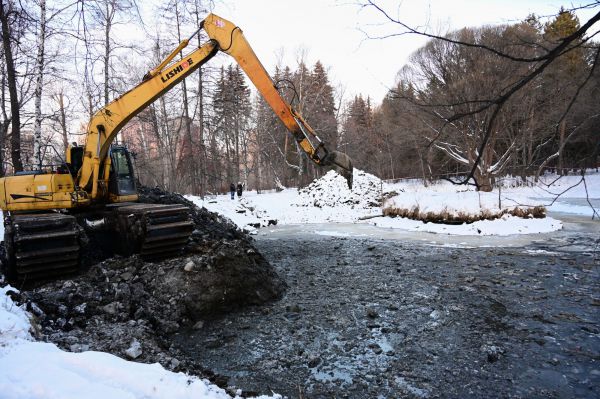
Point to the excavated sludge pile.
(331, 190)
(128, 307)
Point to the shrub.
(446, 217)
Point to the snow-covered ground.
(41, 370)
(328, 200)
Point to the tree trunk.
(106, 52)
(159, 146)
(15, 139)
(37, 131)
(170, 161)
(258, 161)
(3, 130)
(63, 119)
(202, 146)
(194, 189)
(5, 121)
(202, 166)
(285, 173)
(561, 132)
(484, 181)
(236, 145)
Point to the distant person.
(232, 190)
(239, 189)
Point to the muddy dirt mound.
(331, 190)
(130, 308)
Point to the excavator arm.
(226, 37)
(232, 41)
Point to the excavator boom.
(107, 122)
(228, 38)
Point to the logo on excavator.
(184, 65)
(220, 23)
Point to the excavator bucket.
(342, 164)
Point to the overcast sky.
(333, 31)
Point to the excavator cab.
(122, 177)
(121, 181)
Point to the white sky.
(330, 31)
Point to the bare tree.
(40, 63)
(7, 14)
(97, 22)
(6, 118)
(60, 116)
(536, 62)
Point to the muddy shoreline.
(367, 318)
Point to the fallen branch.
(370, 217)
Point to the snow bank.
(14, 321)
(247, 212)
(444, 198)
(328, 200)
(551, 185)
(41, 370)
(564, 194)
(325, 200)
(504, 226)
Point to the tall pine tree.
(231, 121)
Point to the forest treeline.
(62, 61)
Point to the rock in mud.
(135, 349)
(372, 313)
(189, 266)
(492, 352)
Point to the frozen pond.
(380, 313)
(576, 228)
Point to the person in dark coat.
(232, 190)
(239, 189)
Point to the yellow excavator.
(45, 212)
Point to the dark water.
(373, 318)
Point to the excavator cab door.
(122, 178)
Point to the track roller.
(155, 231)
(41, 245)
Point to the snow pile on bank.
(14, 321)
(245, 212)
(460, 210)
(332, 190)
(41, 370)
(325, 200)
(444, 201)
(328, 200)
(504, 226)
